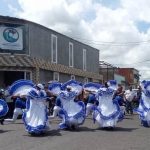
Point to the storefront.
(8, 77)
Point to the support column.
(37, 75)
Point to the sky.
(120, 29)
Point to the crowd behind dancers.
(126, 99)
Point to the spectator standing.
(2, 96)
(138, 96)
(119, 95)
(20, 106)
(91, 101)
(50, 100)
(130, 95)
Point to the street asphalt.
(128, 135)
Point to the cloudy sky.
(120, 29)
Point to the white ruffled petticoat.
(72, 113)
(108, 112)
(35, 117)
(144, 110)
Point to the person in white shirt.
(129, 97)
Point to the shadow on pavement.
(3, 131)
(55, 132)
(117, 129)
(82, 129)
(121, 129)
(18, 123)
(48, 133)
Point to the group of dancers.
(106, 108)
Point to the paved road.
(128, 135)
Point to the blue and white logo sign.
(11, 35)
(11, 38)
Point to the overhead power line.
(112, 43)
(139, 62)
(144, 69)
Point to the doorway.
(11, 76)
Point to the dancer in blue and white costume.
(36, 116)
(3, 110)
(3, 106)
(144, 106)
(18, 91)
(92, 89)
(20, 106)
(55, 89)
(108, 112)
(73, 110)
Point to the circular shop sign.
(11, 35)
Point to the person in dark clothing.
(130, 96)
(106, 84)
(20, 105)
(50, 99)
(91, 101)
(2, 96)
(85, 96)
(138, 97)
(57, 108)
(119, 95)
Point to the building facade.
(107, 70)
(120, 80)
(131, 75)
(31, 51)
(123, 76)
